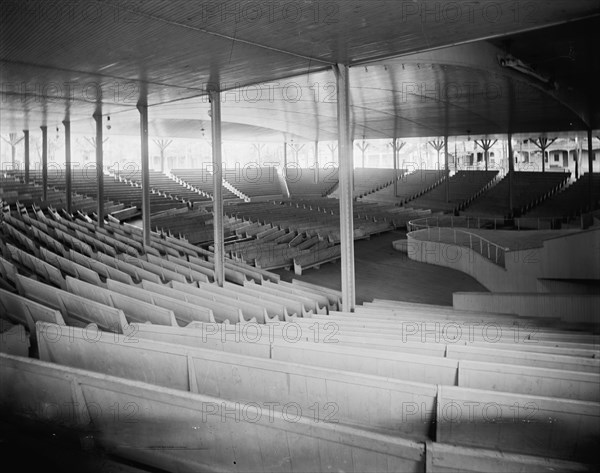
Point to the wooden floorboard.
(384, 273)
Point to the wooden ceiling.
(417, 68)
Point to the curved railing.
(486, 223)
(457, 236)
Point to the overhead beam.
(346, 178)
(145, 157)
(68, 176)
(217, 162)
(475, 41)
(99, 168)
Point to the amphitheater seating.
(572, 201)
(200, 180)
(311, 182)
(121, 192)
(162, 183)
(14, 190)
(390, 375)
(185, 410)
(368, 181)
(464, 186)
(254, 181)
(410, 186)
(529, 188)
(304, 234)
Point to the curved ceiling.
(417, 68)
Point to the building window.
(556, 158)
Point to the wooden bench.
(338, 447)
(13, 339)
(292, 306)
(75, 243)
(322, 300)
(555, 428)
(75, 310)
(308, 302)
(165, 274)
(451, 332)
(134, 309)
(231, 274)
(249, 309)
(185, 271)
(37, 266)
(335, 297)
(446, 458)
(206, 271)
(137, 273)
(185, 312)
(221, 312)
(341, 397)
(274, 309)
(24, 311)
(103, 270)
(71, 268)
(564, 384)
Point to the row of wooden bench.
(455, 411)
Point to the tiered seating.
(529, 188)
(14, 190)
(367, 181)
(254, 181)
(464, 186)
(167, 185)
(410, 186)
(302, 234)
(572, 201)
(394, 385)
(200, 180)
(115, 190)
(378, 353)
(311, 182)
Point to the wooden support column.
(346, 174)
(68, 176)
(44, 163)
(99, 168)
(363, 149)
(486, 145)
(285, 146)
(397, 145)
(447, 168)
(395, 151)
(219, 244)
(26, 152)
(543, 144)
(145, 157)
(511, 169)
(438, 145)
(590, 168)
(576, 156)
